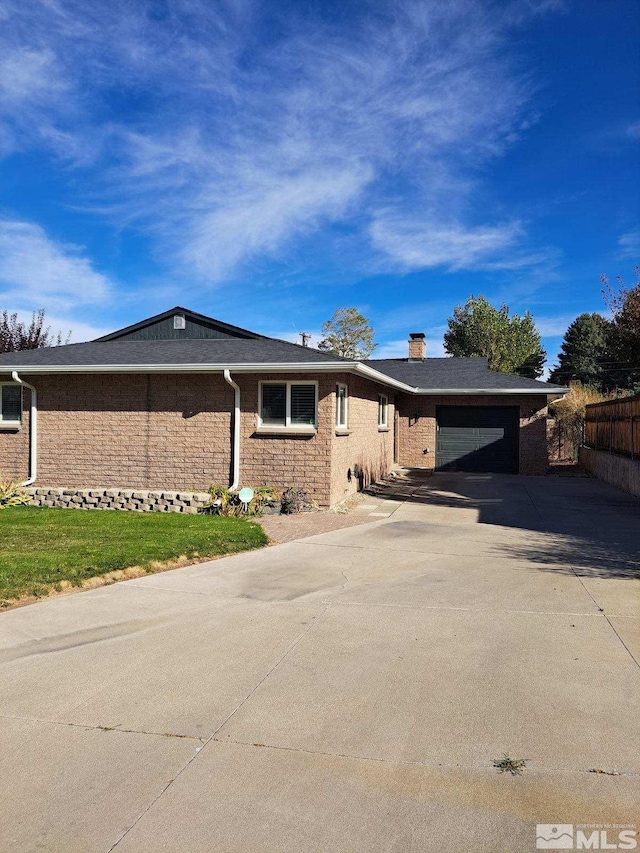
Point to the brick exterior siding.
(174, 431)
(363, 445)
(417, 436)
(138, 431)
(318, 462)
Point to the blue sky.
(266, 163)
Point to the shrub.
(12, 494)
(569, 412)
(221, 500)
(264, 497)
(225, 502)
(295, 499)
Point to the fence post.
(610, 435)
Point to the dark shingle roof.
(226, 351)
(456, 374)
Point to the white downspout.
(33, 430)
(236, 431)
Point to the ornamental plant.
(12, 494)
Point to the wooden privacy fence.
(614, 426)
(562, 441)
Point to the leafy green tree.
(511, 343)
(15, 335)
(625, 311)
(348, 334)
(585, 354)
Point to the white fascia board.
(451, 392)
(318, 367)
(262, 367)
(376, 376)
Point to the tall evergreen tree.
(510, 342)
(585, 354)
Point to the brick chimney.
(417, 346)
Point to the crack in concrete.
(429, 764)
(89, 727)
(602, 613)
(211, 737)
(339, 603)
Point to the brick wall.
(158, 431)
(286, 460)
(173, 431)
(363, 444)
(417, 436)
(318, 462)
(14, 444)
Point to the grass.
(49, 549)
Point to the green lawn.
(40, 548)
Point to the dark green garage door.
(477, 438)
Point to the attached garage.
(462, 416)
(477, 438)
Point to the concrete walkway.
(346, 692)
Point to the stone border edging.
(138, 500)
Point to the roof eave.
(483, 391)
(271, 367)
(249, 367)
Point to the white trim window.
(383, 411)
(288, 405)
(10, 405)
(342, 406)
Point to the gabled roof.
(222, 346)
(216, 327)
(458, 374)
(158, 353)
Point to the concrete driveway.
(346, 692)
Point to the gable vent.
(179, 322)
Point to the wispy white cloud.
(554, 327)
(36, 272)
(227, 148)
(68, 326)
(629, 245)
(634, 130)
(414, 244)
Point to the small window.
(274, 405)
(288, 404)
(10, 405)
(383, 411)
(303, 405)
(341, 406)
(179, 321)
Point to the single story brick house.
(181, 400)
